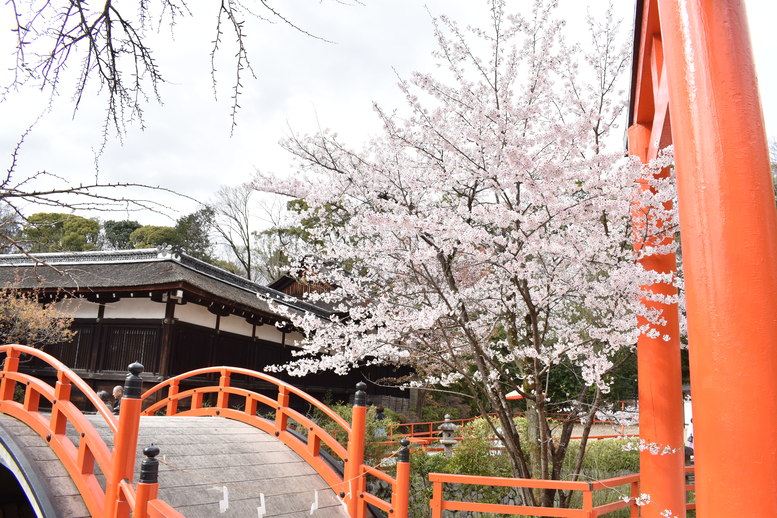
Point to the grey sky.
(302, 82)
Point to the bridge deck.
(200, 456)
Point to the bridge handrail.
(438, 504)
(350, 484)
(587, 510)
(255, 374)
(72, 377)
(78, 460)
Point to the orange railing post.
(281, 417)
(148, 484)
(634, 509)
(588, 503)
(172, 400)
(436, 502)
(11, 364)
(401, 496)
(355, 460)
(125, 443)
(223, 397)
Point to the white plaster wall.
(269, 332)
(195, 314)
(293, 338)
(77, 308)
(235, 324)
(135, 308)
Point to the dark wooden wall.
(102, 350)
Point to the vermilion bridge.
(238, 456)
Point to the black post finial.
(404, 452)
(149, 468)
(133, 382)
(360, 398)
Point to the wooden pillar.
(167, 338)
(659, 374)
(728, 225)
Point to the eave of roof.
(163, 266)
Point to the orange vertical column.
(729, 226)
(353, 468)
(125, 442)
(659, 374)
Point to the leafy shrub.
(375, 450)
(604, 458)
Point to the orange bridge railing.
(277, 417)
(630, 496)
(118, 498)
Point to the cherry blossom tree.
(485, 237)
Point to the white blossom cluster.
(486, 237)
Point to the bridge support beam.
(728, 224)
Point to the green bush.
(374, 450)
(604, 458)
(474, 456)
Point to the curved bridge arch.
(98, 452)
(14, 459)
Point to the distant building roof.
(144, 269)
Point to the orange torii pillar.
(662, 473)
(728, 224)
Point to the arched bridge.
(210, 450)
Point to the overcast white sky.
(301, 83)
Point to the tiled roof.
(127, 269)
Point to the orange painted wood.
(659, 373)
(728, 223)
(143, 494)
(448, 505)
(125, 443)
(354, 465)
(509, 482)
(401, 494)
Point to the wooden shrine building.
(172, 313)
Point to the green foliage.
(55, 232)
(190, 233)
(193, 233)
(374, 450)
(117, 233)
(605, 458)
(474, 456)
(149, 236)
(10, 229)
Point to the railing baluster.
(281, 417)
(125, 443)
(436, 502)
(85, 460)
(31, 399)
(11, 364)
(223, 397)
(400, 497)
(353, 468)
(172, 399)
(58, 420)
(148, 484)
(588, 502)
